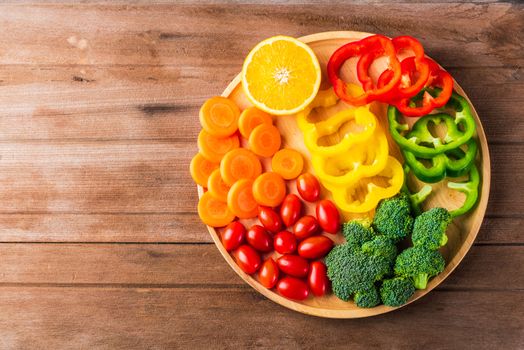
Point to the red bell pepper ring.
(437, 78)
(379, 45)
(415, 69)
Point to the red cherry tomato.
(293, 265)
(308, 187)
(315, 247)
(268, 274)
(285, 242)
(290, 209)
(317, 279)
(293, 288)
(233, 235)
(306, 226)
(247, 258)
(328, 216)
(259, 238)
(269, 219)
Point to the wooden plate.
(461, 233)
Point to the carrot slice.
(269, 189)
(265, 140)
(214, 148)
(214, 212)
(219, 116)
(240, 199)
(288, 163)
(217, 187)
(250, 118)
(201, 168)
(239, 163)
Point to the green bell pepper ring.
(419, 139)
(417, 198)
(470, 188)
(454, 163)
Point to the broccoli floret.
(367, 298)
(351, 271)
(393, 217)
(429, 229)
(420, 264)
(383, 246)
(396, 291)
(358, 231)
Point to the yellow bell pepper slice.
(349, 167)
(345, 199)
(365, 120)
(324, 98)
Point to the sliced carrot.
(201, 168)
(240, 199)
(219, 116)
(250, 118)
(288, 163)
(265, 140)
(269, 189)
(214, 212)
(239, 163)
(217, 187)
(214, 148)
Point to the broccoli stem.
(421, 280)
(443, 240)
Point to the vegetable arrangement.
(356, 173)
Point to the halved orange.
(281, 75)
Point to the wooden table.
(101, 244)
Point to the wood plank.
(485, 267)
(153, 177)
(114, 318)
(123, 34)
(166, 228)
(162, 101)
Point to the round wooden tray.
(461, 232)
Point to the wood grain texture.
(98, 124)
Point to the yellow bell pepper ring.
(324, 98)
(348, 168)
(344, 198)
(366, 121)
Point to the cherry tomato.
(293, 265)
(247, 258)
(315, 247)
(317, 279)
(290, 209)
(233, 236)
(328, 216)
(259, 238)
(306, 226)
(268, 274)
(293, 288)
(308, 187)
(285, 242)
(269, 219)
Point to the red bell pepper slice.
(414, 72)
(379, 45)
(437, 78)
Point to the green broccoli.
(383, 246)
(396, 291)
(358, 231)
(429, 229)
(351, 270)
(367, 298)
(420, 264)
(393, 217)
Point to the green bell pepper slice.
(419, 139)
(470, 188)
(416, 198)
(454, 163)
